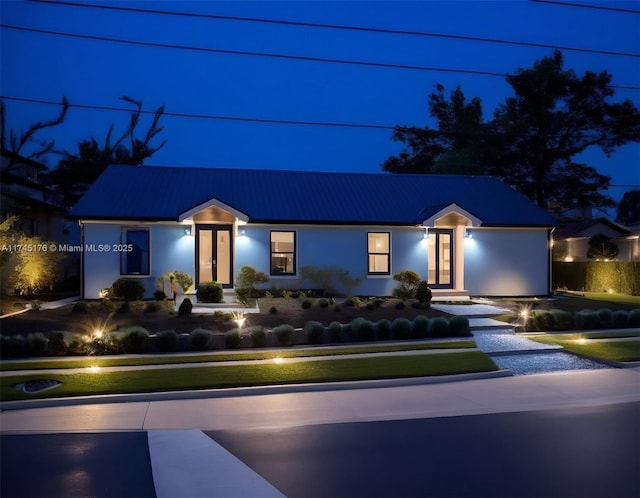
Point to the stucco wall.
(171, 249)
(507, 262)
(343, 247)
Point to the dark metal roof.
(161, 193)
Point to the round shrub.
(129, 289)
(587, 320)
(420, 327)
(210, 292)
(273, 310)
(543, 320)
(185, 307)
(562, 320)
(306, 304)
(634, 318)
(151, 307)
(167, 341)
(323, 303)
(12, 346)
(134, 339)
(37, 344)
(353, 301)
(258, 337)
(284, 334)
(335, 332)
(459, 326)
(423, 292)
(605, 318)
(620, 319)
(439, 327)
(401, 328)
(382, 329)
(79, 307)
(362, 330)
(314, 332)
(159, 295)
(400, 305)
(233, 339)
(200, 339)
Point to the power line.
(339, 27)
(587, 6)
(208, 116)
(271, 55)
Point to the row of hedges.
(559, 320)
(621, 277)
(137, 339)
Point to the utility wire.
(587, 6)
(271, 55)
(338, 27)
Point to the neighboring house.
(571, 238)
(39, 209)
(465, 235)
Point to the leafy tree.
(452, 148)
(532, 138)
(601, 247)
(629, 208)
(17, 141)
(75, 172)
(35, 266)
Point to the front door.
(440, 258)
(214, 254)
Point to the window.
(134, 257)
(378, 253)
(283, 253)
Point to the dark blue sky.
(96, 73)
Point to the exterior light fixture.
(241, 233)
(468, 234)
(187, 230)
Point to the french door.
(440, 258)
(214, 254)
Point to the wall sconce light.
(425, 235)
(241, 232)
(187, 231)
(468, 234)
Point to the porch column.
(458, 257)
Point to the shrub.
(184, 280)
(124, 308)
(200, 339)
(314, 332)
(134, 339)
(107, 304)
(37, 344)
(185, 307)
(57, 343)
(605, 318)
(335, 332)
(562, 320)
(543, 320)
(79, 307)
(362, 330)
(284, 334)
(258, 337)
(151, 307)
(159, 295)
(459, 327)
(420, 327)
(439, 327)
(12, 346)
(248, 277)
(306, 304)
(273, 310)
(408, 282)
(233, 339)
(323, 303)
(423, 292)
(634, 318)
(620, 319)
(129, 289)
(167, 341)
(401, 328)
(587, 319)
(210, 292)
(353, 301)
(382, 329)
(370, 304)
(400, 305)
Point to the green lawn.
(106, 361)
(268, 373)
(621, 351)
(605, 296)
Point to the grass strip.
(268, 373)
(621, 351)
(105, 361)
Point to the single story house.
(466, 235)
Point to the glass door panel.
(223, 257)
(440, 258)
(205, 256)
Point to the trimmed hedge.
(284, 334)
(200, 339)
(584, 320)
(314, 332)
(622, 277)
(210, 292)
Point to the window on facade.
(378, 253)
(283, 253)
(134, 257)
